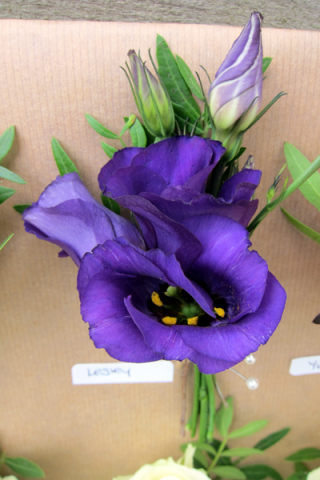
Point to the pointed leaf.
(265, 110)
(300, 467)
(138, 134)
(271, 439)
(265, 63)
(111, 204)
(64, 163)
(224, 417)
(6, 241)
(6, 141)
(302, 227)
(99, 128)
(304, 455)
(128, 124)
(24, 467)
(297, 164)
(259, 472)
(21, 208)
(231, 473)
(249, 429)
(110, 151)
(240, 452)
(13, 177)
(189, 78)
(200, 446)
(177, 88)
(5, 193)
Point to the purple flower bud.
(151, 98)
(237, 86)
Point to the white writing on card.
(110, 373)
(305, 365)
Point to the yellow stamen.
(156, 299)
(220, 312)
(169, 320)
(193, 321)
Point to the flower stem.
(216, 458)
(203, 396)
(195, 407)
(212, 407)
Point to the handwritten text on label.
(305, 365)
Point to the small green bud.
(272, 190)
(151, 99)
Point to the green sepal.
(189, 78)
(100, 129)
(260, 472)
(272, 439)
(228, 472)
(128, 124)
(5, 193)
(6, 241)
(110, 151)
(8, 175)
(297, 164)
(6, 141)
(21, 208)
(273, 101)
(304, 455)
(110, 204)
(224, 417)
(184, 105)
(24, 467)
(309, 232)
(265, 63)
(64, 163)
(138, 134)
(248, 429)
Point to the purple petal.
(240, 186)
(226, 266)
(219, 348)
(121, 159)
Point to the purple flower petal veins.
(67, 215)
(238, 82)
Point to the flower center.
(174, 306)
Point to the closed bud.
(151, 98)
(236, 92)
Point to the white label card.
(305, 365)
(109, 373)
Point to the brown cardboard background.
(52, 73)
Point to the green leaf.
(200, 446)
(249, 429)
(265, 63)
(300, 467)
(240, 452)
(297, 164)
(6, 241)
(309, 232)
(304, 455)
(231, 473)
(271, 439)
(259, 472)
(21, 208)
(99, 128)
(184, 105)
(138, 134)
(24, 467)
(189, 78)
(5, 193)
(13, 177)
(110, 151)
(224, 417)
(297, 476)
(6, 141)
(200, 460)
(128, 124)
(64, 164)
(111, 204)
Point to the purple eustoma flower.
(238, 82)
(178, 161)
(67, 215)
(214, 306)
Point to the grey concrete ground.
(300, 14)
